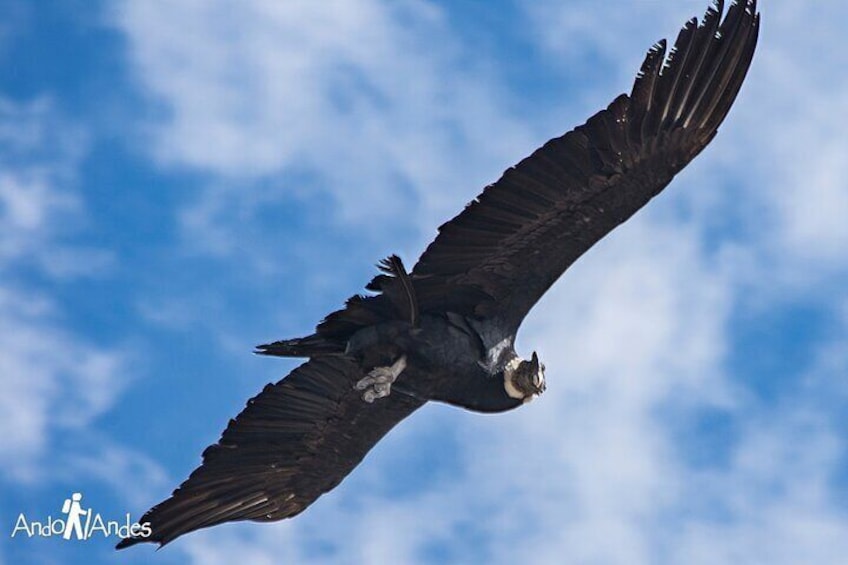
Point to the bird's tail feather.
(402, 294)
(309, 346)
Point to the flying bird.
(445, 330)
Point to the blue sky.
(182, 180)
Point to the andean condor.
(445, 330)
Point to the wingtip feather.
(699, 79)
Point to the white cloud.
(775, 500)
(27, 195)
(55, 384)
(357, 103)
(39, 155)
(578, 32)
(133, 475)
(797, 124)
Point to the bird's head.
(525, 380)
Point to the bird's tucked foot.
(378, 382)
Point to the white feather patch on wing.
(494, 357)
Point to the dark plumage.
(445, 330)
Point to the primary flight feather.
(445, 331)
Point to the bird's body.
(446, 330)
(446, 360)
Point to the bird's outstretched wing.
(526, 229)
(293, 442)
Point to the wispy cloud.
(39, 155)
(55, 383)
(355, 109)
(52, 381)
(801, 181)
(580, 36)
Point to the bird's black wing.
(293, 442)
(526, 229)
